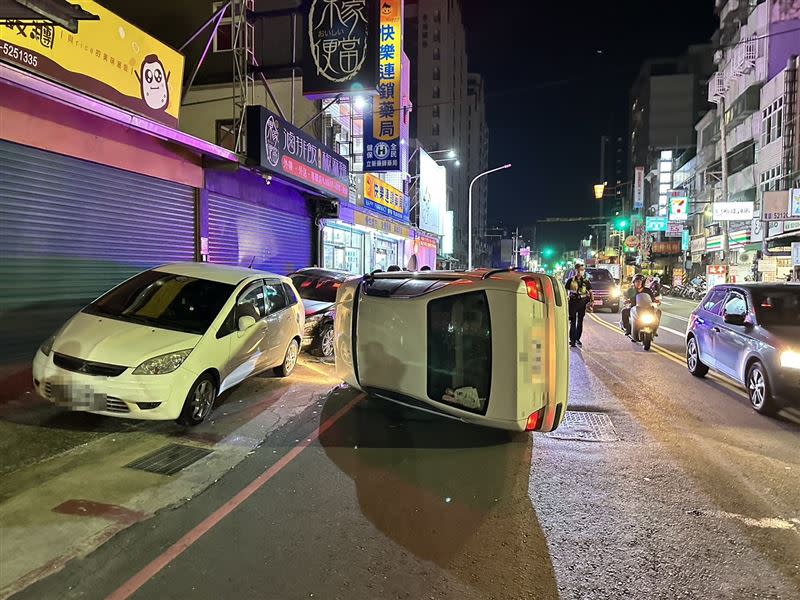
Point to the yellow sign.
(387, 106)
(382, 197)
(383, 225)
(108, 58)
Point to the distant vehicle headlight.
(647, 319)
(615, 293)
(160, 365)
(790, 359)
(47, 345)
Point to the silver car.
(750, 332)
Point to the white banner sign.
(432, 194)
(638, 188)
(674, 229)
(678, 209)
(794, 202)
(733, 211)
(796, 254)
(698, 245)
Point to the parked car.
(750, 332)
(165, 343)
(317, 289)
(605, 289)
(485, 346)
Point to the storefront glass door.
(384, 253)
(343, 250)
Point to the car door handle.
(716, 329)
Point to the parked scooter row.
(693, 290)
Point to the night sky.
(558, 76)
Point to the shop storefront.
(343, 248)
(98, 184)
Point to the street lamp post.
(469, 215)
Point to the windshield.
(316, 288)
(777, 306)
(599, 275)
(165, 301)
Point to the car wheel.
(324, 341)
(759, 391)
(289, 360)
(696, 367)
(199, 402)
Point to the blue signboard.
(656, 223)
(686, 240)
(380, 154)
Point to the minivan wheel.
(324, 341)
(289, 360)
(696, 367)
(758, 390)
(199, 402)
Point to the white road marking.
(764, 522)
(680, 318)
(680, 334)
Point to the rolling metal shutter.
(72, 229)
(240, 233)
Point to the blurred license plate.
(598, 303)
(78, 397)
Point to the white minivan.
(484, 346)
(166, 342)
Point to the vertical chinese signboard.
(638, 188)
(108, 58)
(382, 118)
(340, 50)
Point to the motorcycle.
(644, 320)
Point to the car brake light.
(535, 420)
(534, 287)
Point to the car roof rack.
(496, 271)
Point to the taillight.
(535, 420)
(534, 287)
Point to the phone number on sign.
(20, 55)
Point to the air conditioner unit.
(719, 56)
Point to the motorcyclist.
(637, 287)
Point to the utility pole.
(724, 143)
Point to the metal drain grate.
(169, 459)
(586, 427)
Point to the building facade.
(477, 161)
(436, 44)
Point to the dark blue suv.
(750, 332)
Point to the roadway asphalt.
(696, 497)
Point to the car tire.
(758, 390)
(615, 309)
(324, 341)
(693, 363)
(289, 360)
(199, 402)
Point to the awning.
(66, 96)
(58, 12)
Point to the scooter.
(644, 320)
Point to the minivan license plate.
(78, 397)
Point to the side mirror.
(735, 319)
(246, 323)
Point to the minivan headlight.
(47, 345)
(790, 359)
(161, 365)
(615, 293)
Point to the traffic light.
(548, 252)
(621, 223)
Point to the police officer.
(580, 299)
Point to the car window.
(735, 304)
(164, 300)
(714, 300)
(599, 275)
(291, 297)
(777, 306)
(460, 351)
(316, 288)
(251, 304)
(276, 299)
(557, 291)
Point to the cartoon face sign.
(154, 81)
(386, 9)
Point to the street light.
(469, 216)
